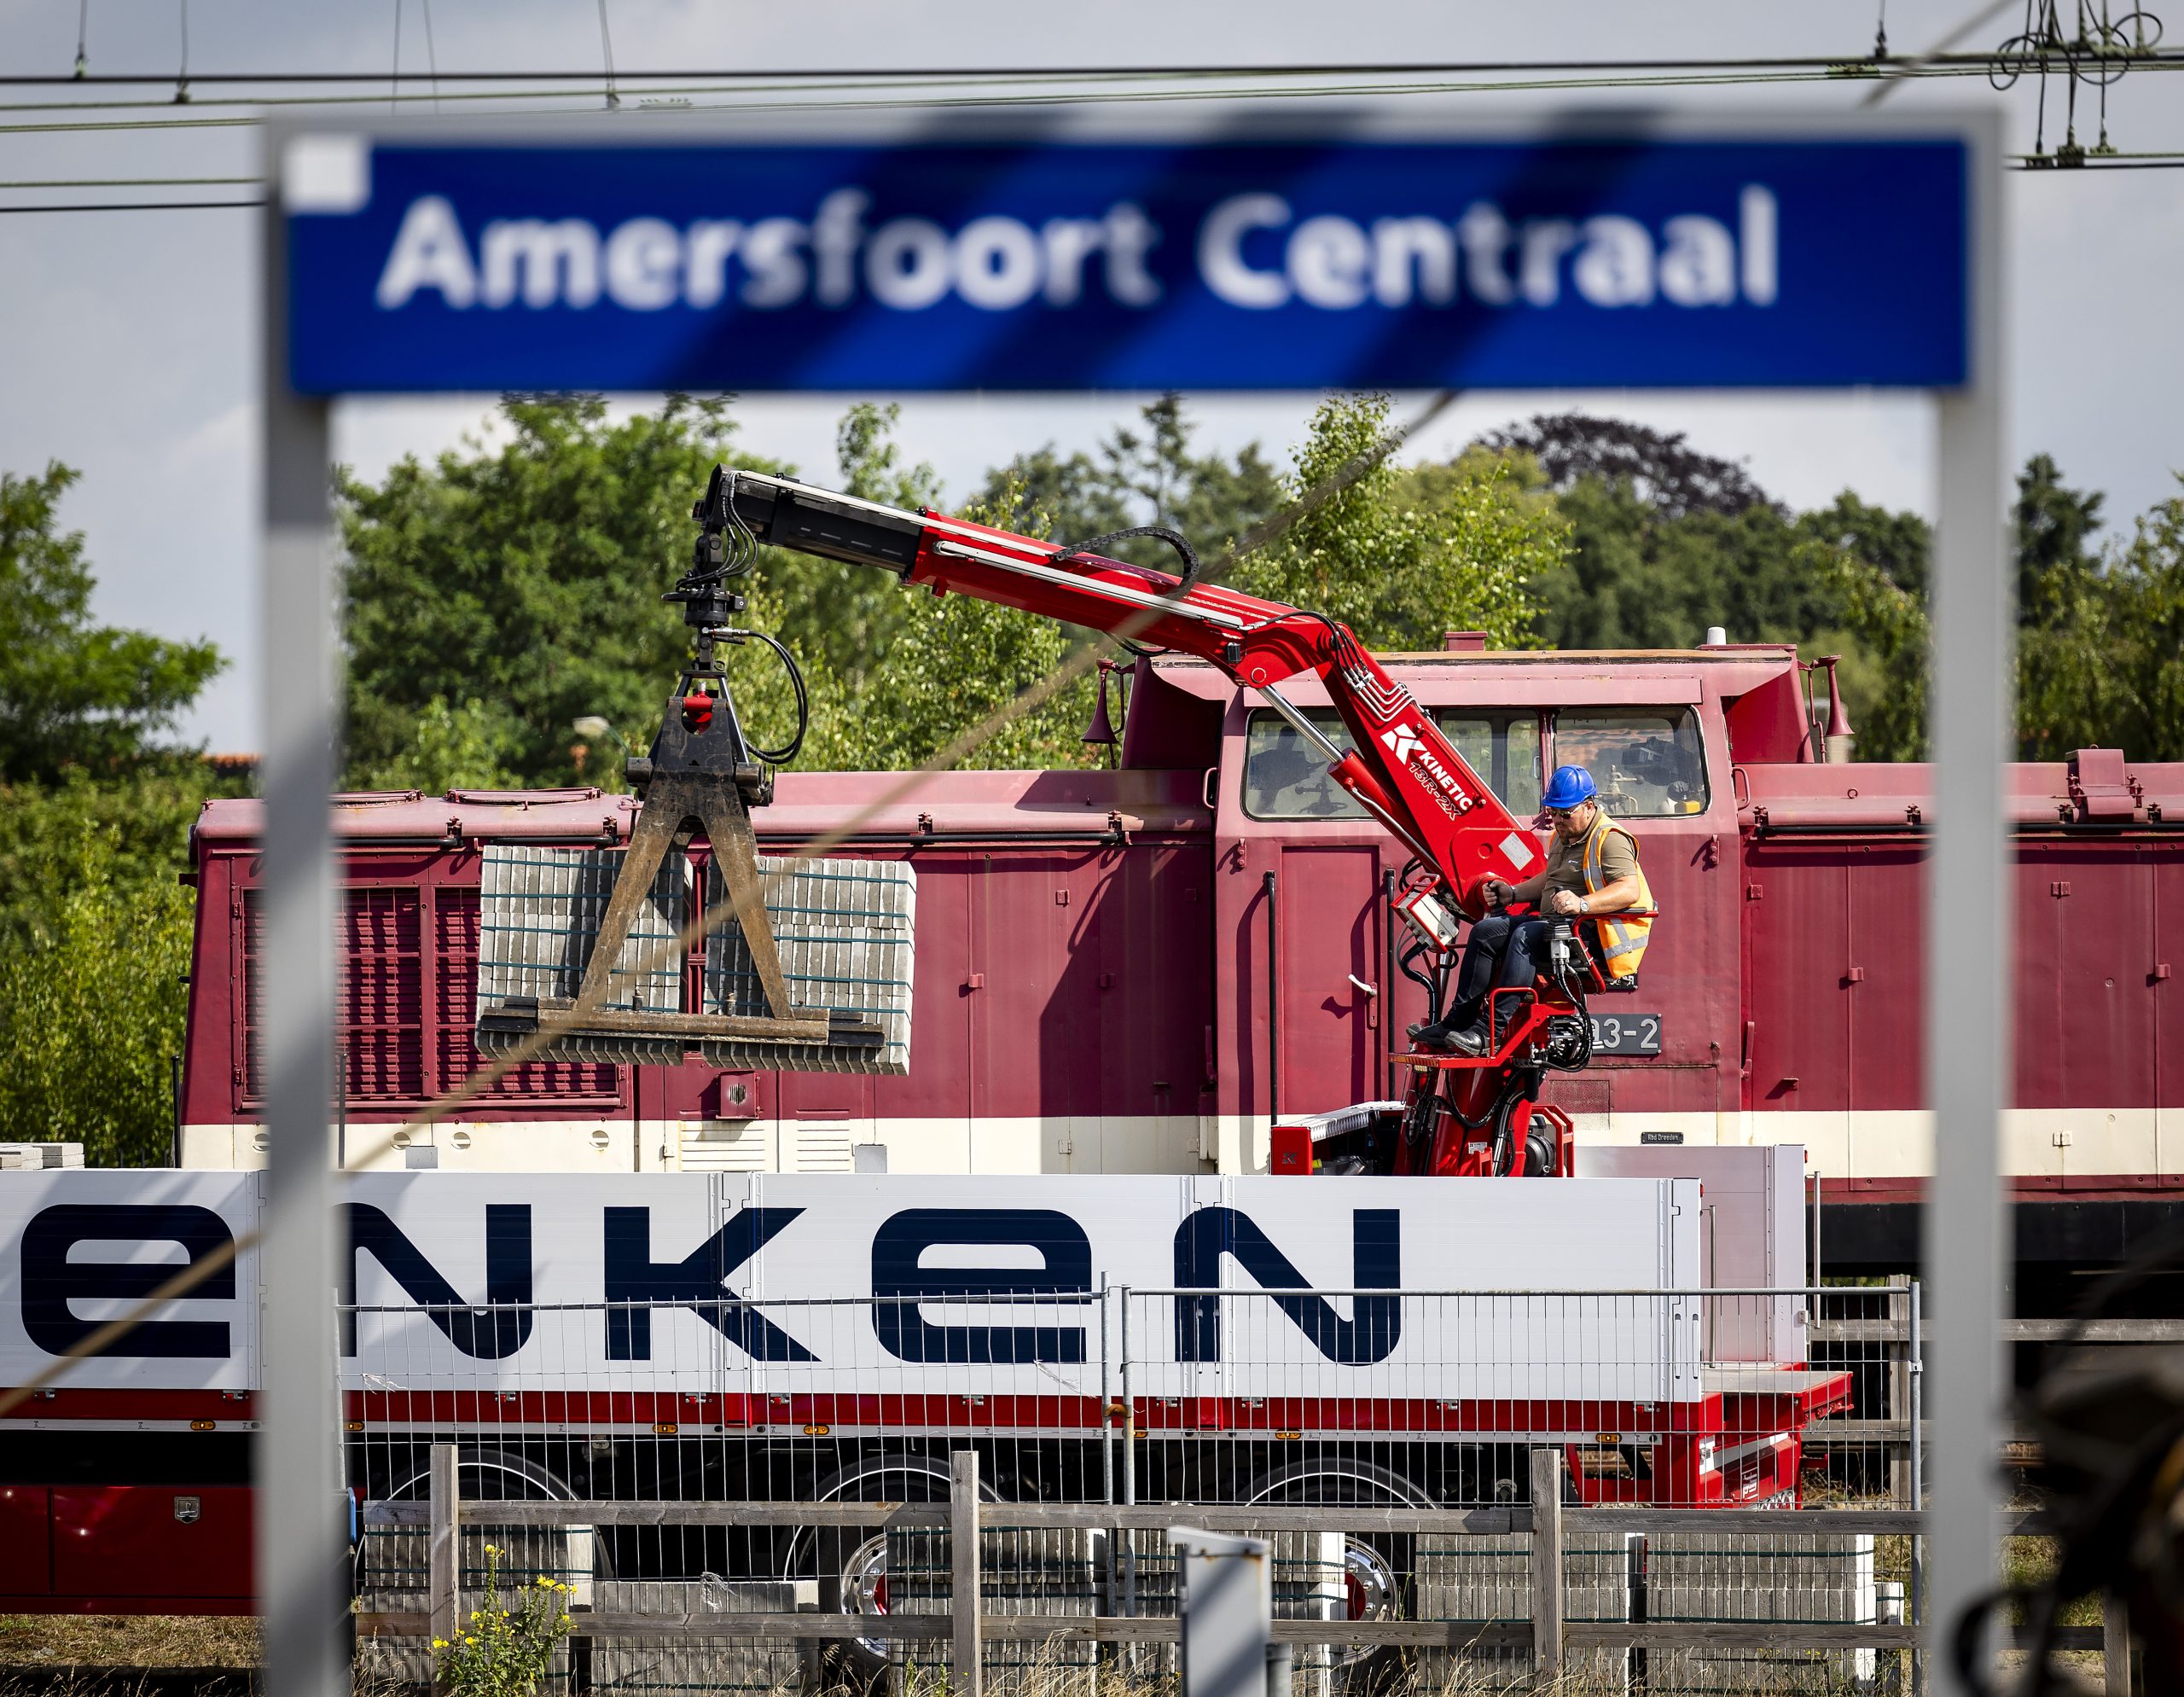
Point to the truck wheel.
(851, 1562)
(391, 1565)
(1378, 1576)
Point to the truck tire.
(389, 1566)
(1378, 1568)
(851, 1562)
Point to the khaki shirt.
(1565, 863)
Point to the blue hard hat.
(1570, 786)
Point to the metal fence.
(1672, 1398)
(679, 1461)
(1013, 1596)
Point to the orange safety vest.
(1621, 942)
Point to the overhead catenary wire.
(893, 95)
(1394, 67)
(1939, 51)
(254, 182)
(137, 206)
(2044, 166)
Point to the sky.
(128, 340)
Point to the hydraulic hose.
(782, 756)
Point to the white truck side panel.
(1752, 1236)
(80, 1246)
(896, 1284)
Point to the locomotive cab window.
(1647, 761)
(1285, 778)
(1502, 748)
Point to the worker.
(1592, 871)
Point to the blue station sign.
(419, 265)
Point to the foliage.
(1663, 471)
(95, 942)
(951, 663)
(499, 594)
(1885, 675)
(1872, 565)
(895, 678)
(1150, 476)
(1401, 556)
(1637, 579)
(2103, 665)
(526, 579)
(453, 747)
(504, 1651)
(74, 693)
(94, 929)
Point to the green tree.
(2149, 576)
(2101, 663)
(951, 662)
(1148, 474)
(1636, 578)
(1873, 565)
(525, 579)
(94, 939)
(1402, 556)
(1662, 469)
(73, 692)
(2075, 676)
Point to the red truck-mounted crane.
(1462, 1115)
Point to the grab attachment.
(702, 773)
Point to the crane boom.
(1403, 770)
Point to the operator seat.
(1601, 982)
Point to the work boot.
(1447, 1034)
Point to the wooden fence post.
(2115, 1646)
(443, 1562)
(1547, 1561)
(967, 1677)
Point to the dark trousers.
(1501, 953)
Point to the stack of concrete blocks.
(1051, 1572)
(844, 930)
(1311, 1582)
(705, 1657)
(1689, 1577)
(1484, 1581)
(1779, 1577)
(39, 1157)
(539, 912)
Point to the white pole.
(301, 1577)
(1968, 942)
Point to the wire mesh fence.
(728, 1448)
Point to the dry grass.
(149, 1640)
(38, 1642)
